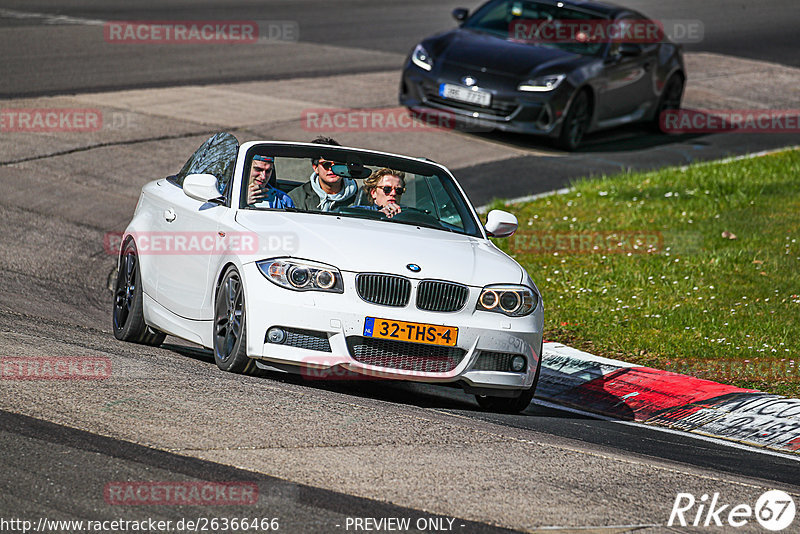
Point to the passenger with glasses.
(384, 189)
(325, 190)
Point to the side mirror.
(501, 224)
(460, 14)
(630, 49)
(202, 187)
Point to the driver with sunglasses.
(384, 188)
(325, 190)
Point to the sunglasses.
(398, 190)
(326, 164)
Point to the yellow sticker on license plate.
(430, 334)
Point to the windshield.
(354, 184)
(538, 24)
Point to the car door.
(626, 82)
(189, 229)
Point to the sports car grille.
(405, 356)
(384, 289)
(307, 339)
(494, 361)
(434, 295)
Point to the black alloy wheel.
(576, 122)
(230, 328)
(670, 99)
(128, 317)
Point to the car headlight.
(421, 58)
(542, 84)
(511, 300)
(302, 275)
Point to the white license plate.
(465, 94)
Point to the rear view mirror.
(351, 170)
(460, 14)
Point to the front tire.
(230, 326)
(576, 122)
(509, 404)
(670, 99)
(127, 316)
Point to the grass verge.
(693, 270)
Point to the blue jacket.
(275, 199)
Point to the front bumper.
(509, 111)
(327, 330)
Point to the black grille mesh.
(405, 356)
(307, 339)
(384, 289)
(494, 361)
(434, 295)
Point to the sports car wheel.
(128, 318)
(230, 328)
(509, 404)
(576, 122)
(670, 98)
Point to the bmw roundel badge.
(413, 267)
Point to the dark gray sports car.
(556, 68)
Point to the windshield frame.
(565, 47)
(420, 166)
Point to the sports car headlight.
(511, 300)
(302, 275)
(542, 84)
(421, 59)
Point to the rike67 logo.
(774, 510)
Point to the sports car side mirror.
(460, 14)
(500, 223)
(202, 187)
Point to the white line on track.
(49, 18)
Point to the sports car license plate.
(464, 94)
(414, 332)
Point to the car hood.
(479, 50)
(360, 245)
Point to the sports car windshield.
(537, 23)
(356, 184)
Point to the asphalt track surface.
(320, 453)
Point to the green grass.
(697, 303)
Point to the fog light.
(518, 363)
(276, 335)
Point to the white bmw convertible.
(396, 281)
